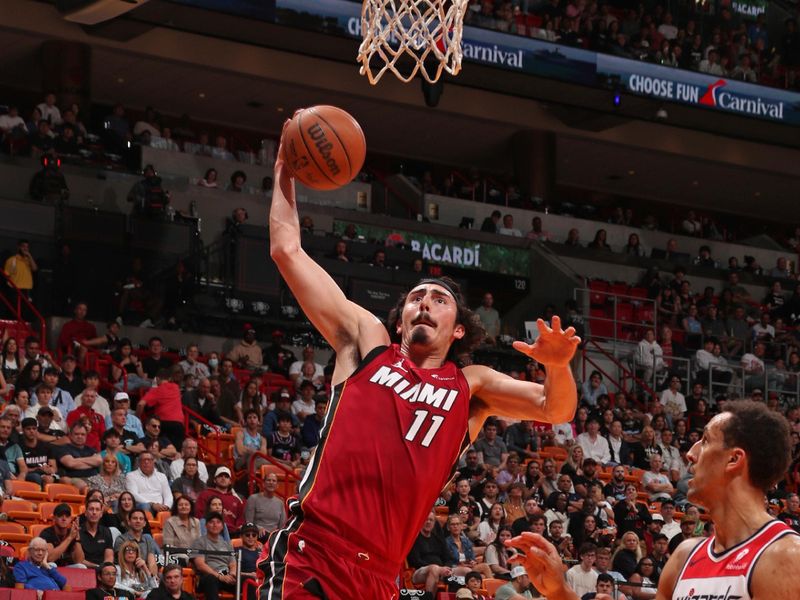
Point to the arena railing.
(19, 304)
(254, 474)
(214, 443)
(236, 554)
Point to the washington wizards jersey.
(388, 445)
(707, 575)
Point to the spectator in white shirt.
(711, 66)
(673, 401)
(188, 450)
(648, 358)
(763, 330)
(296, 368)
(667, 29)
(594, 445)
(11, 120)
(305, 405)
(753, 365)
(508, 227)
(655, 482)
(49, 110)
(670, 454)
(582, 578)
(150, 488)
(192, 367)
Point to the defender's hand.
(554, 347)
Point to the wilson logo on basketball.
(324, 147)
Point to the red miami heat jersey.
(388, 445)
(707, 575)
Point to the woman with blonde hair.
(132, 572)
(628, 555)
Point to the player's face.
(709, 458)
(429, 318)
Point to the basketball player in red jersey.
(744, 451)
(399, 418)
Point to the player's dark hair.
(764, 436)
(474, 332)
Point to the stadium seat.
(36, 529)
(63, 492)
(189, 583)
(7, 527)
(159, 539)
(79, 579)
(21, 510)
(554, 452)
(492, 584)
(27, 490)
(57, 595)
(22, 594)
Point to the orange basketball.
(324, 147)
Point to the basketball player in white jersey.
(744, 451)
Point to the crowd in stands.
(609, 490)
(725, 44)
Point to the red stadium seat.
(19, 594)
(79, 579)
(54, 595)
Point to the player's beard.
(419, 335)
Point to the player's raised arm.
(342, 323)
(553, 402)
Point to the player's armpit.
(777, 573)
(669, 576)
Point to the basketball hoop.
(408, 37)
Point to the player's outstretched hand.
(283, 180)
(543, 564)
(554, 346)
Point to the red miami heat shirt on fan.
(710, 576)
(388, 446)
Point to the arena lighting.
(260, 308)
(234, 304)
(617, 100)
(92, 12)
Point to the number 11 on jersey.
(420, 419)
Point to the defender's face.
(429, 318)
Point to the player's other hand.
(554, 347)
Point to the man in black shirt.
(76, 460)
(156, 361)
(171, 587)
(429, 556)
(44, 430)
(95, 538)
(63, 546)
(37, 456)
(106, 578)
(791, 516)
(71, 379)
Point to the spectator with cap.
(62, 537)
(150, 488)
(232, 505)
(46, 431)
(247, 353)
(688, 524)
(217, 572)
(132, 422)
(277, 357)
(519, 588)
(250, 549)
(35, 572)
(283, 405)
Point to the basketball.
(324, 147)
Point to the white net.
(407, 37)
